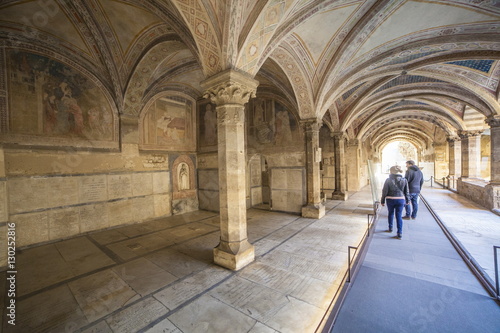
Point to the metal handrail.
(330, 315)
(349, 261)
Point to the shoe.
(413, 218)
(400, 236)
(406, 218)
(389, 230)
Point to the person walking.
(415, 181)
(396, 194)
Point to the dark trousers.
(414, 205)
(395, 206)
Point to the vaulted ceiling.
(367, 67)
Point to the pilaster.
(340, 176)
(455, 156)
(471, 154)
(494, 123)
(314, 208)
(353, 161)
(230, 90)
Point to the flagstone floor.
(159, 276)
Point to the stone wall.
(477, 191)
(208, 182)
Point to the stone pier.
(230, 90)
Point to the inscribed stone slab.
(144, 208)
(204, 315)
(51, 311)
(93, 217)
(93, 188)
(101, 293)
(294, 179)
(27, 194)
(119, 186)
(144, 276)
(119, 212)
(162, 205)
(256, 194)
(161, 182)
(178, 293)
(278, 179)
(31, 228)
(208, 180)
(3, 241)
(136, 317)
(64, 222)
(290, 318)
(61, 191)
(164, 326)
(100, 327)
(142, 184)
(260, 302)
(4, 214)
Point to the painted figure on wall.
(271, 123)
(168, 124)
(49, 98)
(183, 177)
(50, 112)
(283, 130)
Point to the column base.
(313, 211)
(235, 255)
(337, 195)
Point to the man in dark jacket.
(415, 181)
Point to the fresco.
(168, 124)
(208, 126)
(271, 124)
(50, 99)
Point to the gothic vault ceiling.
(413, 68)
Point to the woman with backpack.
(396, 194)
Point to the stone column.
(340, 177)
(455, 157)
(493, 188)
(352, 158)
(471, 154)
(494, 123)
(314, 208)
(230, 90)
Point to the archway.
(397, 153)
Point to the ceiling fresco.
(359, 65)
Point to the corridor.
(420, 283)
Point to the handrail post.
(349, 262)
(431, 181)
(368, 228)
(495, 248)
(444, 186)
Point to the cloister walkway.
(420, 283)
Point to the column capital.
(352, 142)
(229, 87)
(452, 139)
(493, 121)
(311, 124)
(338, 135)
(468, 134)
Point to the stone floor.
(159, 276)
